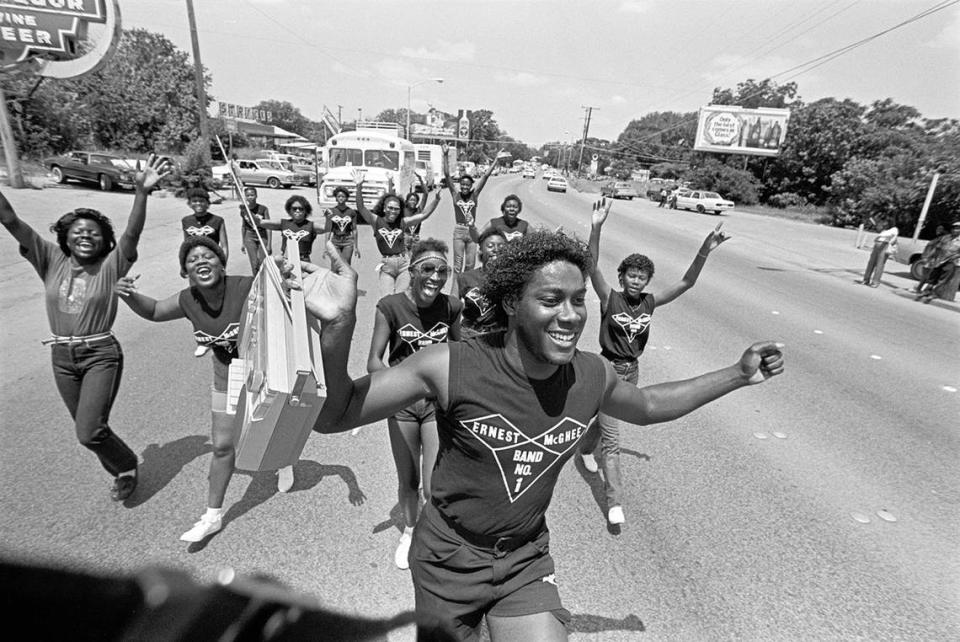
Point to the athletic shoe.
(402, 556)
(590, 463)
(285, 479)
(615, 515)
(123, 487)
(203, 529)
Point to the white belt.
(89, 338)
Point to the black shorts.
(421, 412)
(459, 583)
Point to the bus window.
(409, 159)
(383, 159)
(343, 157)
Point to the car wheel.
(629, 198)
(918, 270)
(58, 174)
(273, 182)
(700, 209)
(106, 183)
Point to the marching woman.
(256, 250)
(202, 222)
(298, 228)
(406, 322)
(625, 317)
(341, 225)
(389, 222)
(509, 224)
(465, 213)
(214, 303)
(79, 273)
(415, 204)
(480, 316)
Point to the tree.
(658, 136)
(752, 94)
(738, 185)
(286, 116)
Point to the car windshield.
(381, 158)
(710, 195)
(116, 162)
(345, 157)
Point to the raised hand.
(600, 211)
(761, 361)
(151, 174)
(358, 174)
(330, 295)
(714, 238)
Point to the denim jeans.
(608, 435)
(394, 274)
(464, 249)
(874, 270)
(88, 377)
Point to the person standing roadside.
(252, 247)
(884, 245)
(663, 197)
(79, 273)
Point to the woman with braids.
(511, 409)
(78, 273)
(625, 317)
(406, 322)
(298, 228)
(389, 221)
(341, 225)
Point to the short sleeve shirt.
(80, 300)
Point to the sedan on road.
(104, 170)
(702, 201)
(618, 189)
(557, 184)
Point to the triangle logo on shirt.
(390, 236)
(632, 326)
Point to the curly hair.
(511, 197)
(638, 261)
(520, 258)
(427, 245)
(340, 189)
(488, 232)
(198, 192)
(378, 207)
(199, 241)
(62, 227)
(307, 208)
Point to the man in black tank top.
(511, 410)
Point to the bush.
(737, 185)
(787, 199)
(195, 170)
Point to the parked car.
(305, 167)
(557, 184)
(105, 170)
(618, 189)
(259, 172)
(702, 201)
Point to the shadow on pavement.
(584, 623)
(163, 462)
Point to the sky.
(537, 64)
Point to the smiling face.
(633, 281)
(203, 267)
(549, 317)
(392, 209)
(466, 186)
(199, 205)
(85, 240)
(250, 196)
(428, 273)
(298, 213)
(491, 247)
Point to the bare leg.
(405, 444)
(536, 627)
(224, 454)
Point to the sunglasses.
(296, 208)
(427, 270)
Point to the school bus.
(376, 150)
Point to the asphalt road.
(822, 505)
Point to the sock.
(408, 530)
(213, 513)
(128, 473)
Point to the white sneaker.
(590, 463)
(615, 515)
(402, 556)
(206, 527)
(285, 479)
(200, 351)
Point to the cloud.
(947, 38)
(618, 100)
(636, 6)
(464, 51)
(521, 79)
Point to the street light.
(409, 92)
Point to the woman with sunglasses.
(297, 228)
(418, 317)
(78, 273)
(389, 222)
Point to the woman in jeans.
(465, 214)
(625, 317)
(79, 273)
(388, 222)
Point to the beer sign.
(51, 28)
(730, 129)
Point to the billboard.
(729, 129)
(443, 126)
(231, 110)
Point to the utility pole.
(340, 115)
(198, 72)
(586, 130)
(14, 173)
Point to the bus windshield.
(343, 157)
(382, 159)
